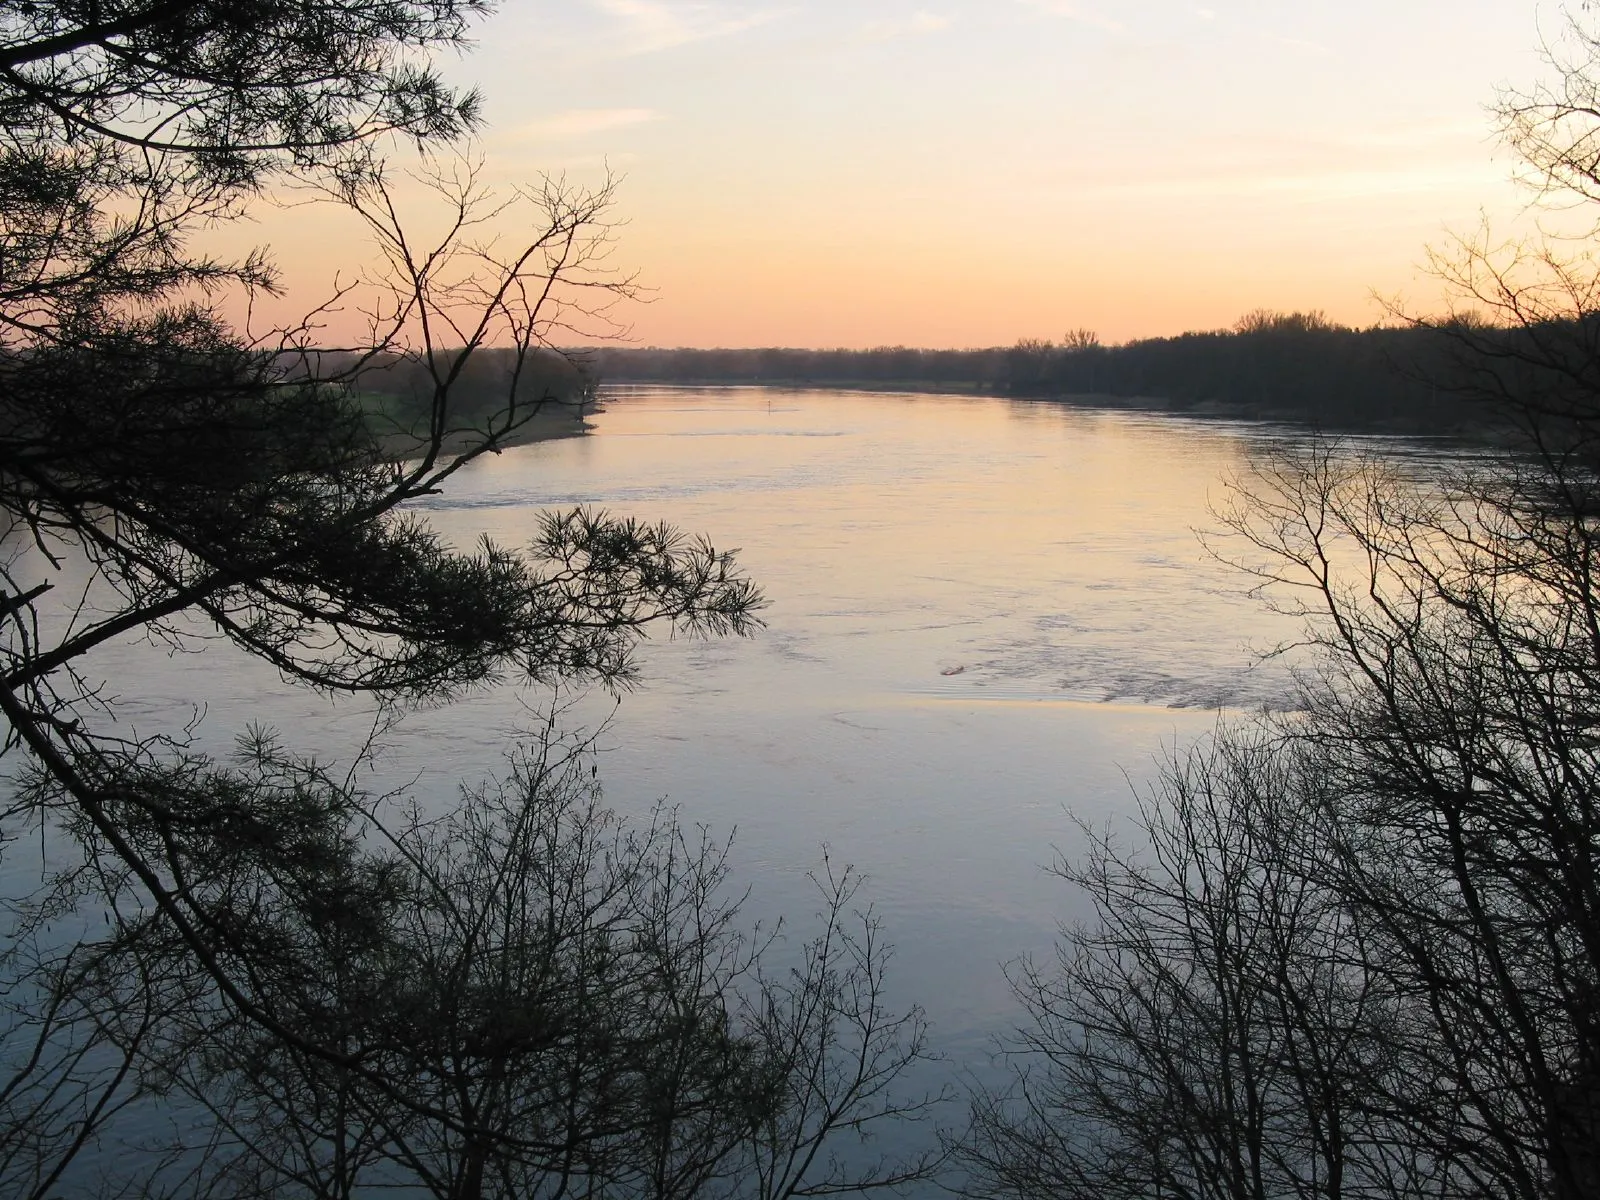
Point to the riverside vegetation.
(1283, 366)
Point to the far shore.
(1399, 423)
(552, 420)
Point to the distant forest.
(396, 392)
(1292, 366)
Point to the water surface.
(984, 615)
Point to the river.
(986, 617)
(984, 614)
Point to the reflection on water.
(983, 613)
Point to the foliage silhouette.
(1411, 859)
(168, 474)
(533, 997)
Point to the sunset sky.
(828, 172)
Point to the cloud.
(650, 26)
(1313, 186)
(580, 123)
(1076, 12)
(917, 24)
(1294, 43)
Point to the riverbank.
(1465, 424)
(550, 421)
(1285, 367)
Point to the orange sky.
(841, 173)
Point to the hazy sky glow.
(829, 172)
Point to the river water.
(985, 616)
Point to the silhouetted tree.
(1455, 720)
(166, 474)
(1433, 802)
(547, 1001)
(1217, 1030)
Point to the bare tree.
(164, 473)
(1215, 1031)
(548, 1001)
(1441, 784)
(1456, 712)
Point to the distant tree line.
(884, 365)
(1297, 366)
(398, 394)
